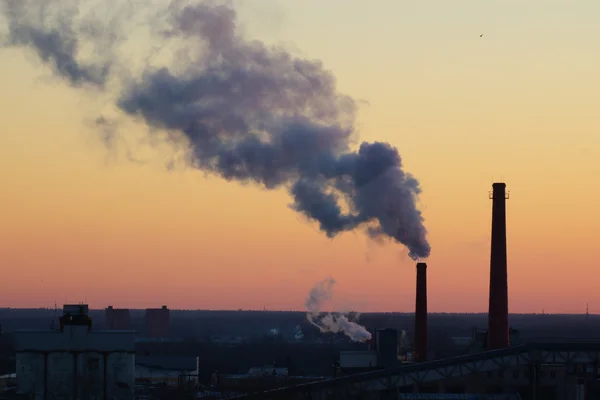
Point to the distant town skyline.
(517, 104)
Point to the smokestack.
(498, 333)
(420, 342)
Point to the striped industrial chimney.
(420, 342)
(498, 331)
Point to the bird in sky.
(481, 35)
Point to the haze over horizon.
(515, 105)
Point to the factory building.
(117, 319)
(383, 348)
(157, 323)
(382, 353)
(75, 361)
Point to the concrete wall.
(75, 362)
(90, 374)
(157, 375)
(358, 359)
(88, 367)
(75, 338)
(30, 374)
(120, 379)
(61, 375)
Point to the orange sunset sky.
(520, 104)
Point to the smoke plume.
(244, 111)
(333, 323)
(298, 334)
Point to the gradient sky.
(518, 104)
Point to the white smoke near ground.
(403, 338)
(331, 322)
(298, 334)
(274, 332)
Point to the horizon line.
(294, 311)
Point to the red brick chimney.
(420, 341)
(498, 334)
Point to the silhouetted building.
(75, 361)
(387, 347)
(157, 322)
(117, 318)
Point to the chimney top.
(421, 265)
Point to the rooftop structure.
(75, 361)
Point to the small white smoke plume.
(274, 332)
(334, 323)
(298, 334)
(403, 338)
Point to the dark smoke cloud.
(47, 27)
(252, 113)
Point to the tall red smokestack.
(498, 335)
(420, 342)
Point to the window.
(552, 374)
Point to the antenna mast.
(587, 311)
